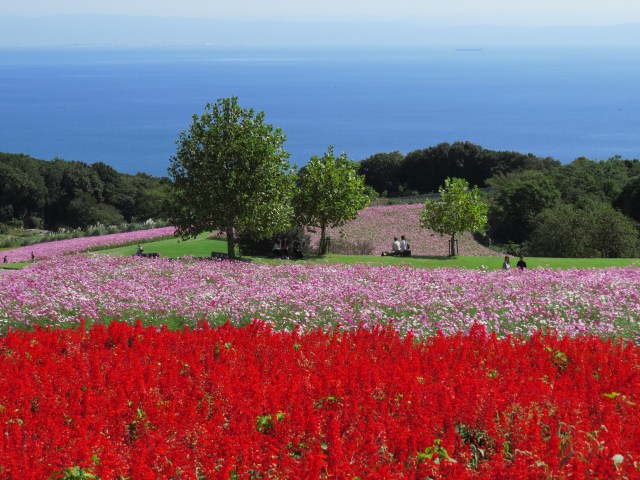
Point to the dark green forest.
(57, 193)
(538, 206)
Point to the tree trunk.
(231, 243)
(452, 245)
(323, 239)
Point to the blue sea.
(126, 107)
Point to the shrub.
(357, 247)
(252, 246)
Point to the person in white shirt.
(405, 249)
(396, 248)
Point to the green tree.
(583, 180)
(230, 172)
(458, 210)
(382, 172)
(22, 188)
(611, 234)
(329, 193)
(598, 230)
(629, 199)
(518, 198)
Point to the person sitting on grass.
(396, 248)
(277, 249)
(297, 249)
(405, 248)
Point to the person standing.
(506, 265)
(521, 263)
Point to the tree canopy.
(517, 198)
(597, 230)
(424, 170)
(329, 193)
(36, 193)
(459, 209)
(382, 173)
(230, 172)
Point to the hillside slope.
(378, 225)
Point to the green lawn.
(174, 247)
(203, 247)
(485, 262)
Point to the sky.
(454, 12)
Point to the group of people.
(281, 249)
(399, 248)
(521, 265)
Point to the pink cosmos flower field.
(604, 302)
(83, 244)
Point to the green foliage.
(459, 209)
(36, 194)
(230, 172)
(22, 188)
(263, 246)
(610, 233)
(73, 473)
(382, 172)
(598, 230)
(585, 180)
(425, 170)
(329, 193)
(481, 445)
(517, 199)
(629, 199)
(265, 423)
(435, 453)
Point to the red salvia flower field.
(228, 403)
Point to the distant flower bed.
(75, 245)
(604, 302)
(130, 402)
(376, 226)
